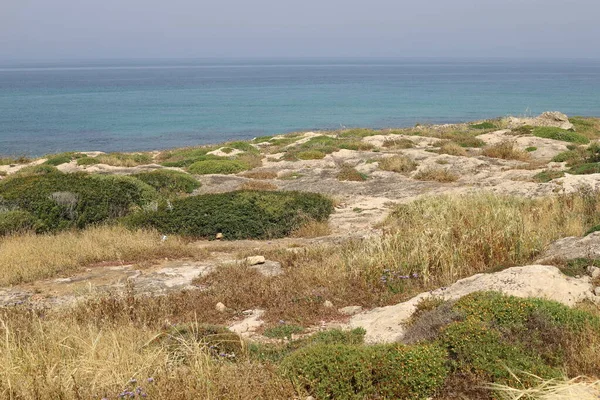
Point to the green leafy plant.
(169, 181)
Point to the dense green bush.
(483, 125)
(548, 175)
(237, 215)
(217, 167)
(87, 161)
(59, 201)
(310, 155)
(585, 169)
(169, 181)
(548, 132)
(63, 158)
(341, 371)
(334, 371)
(15, 221)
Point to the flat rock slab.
(386, 324)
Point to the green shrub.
(548, 132)
(169, 181)
(41, 169)
(283, 331)
(331, 371)
(14, 160)
(243, 146)
(523, 130)
(585, 169)
(61, 201)
(310, 155)
(63, 158)
(262, 139)
(403, 372)
(217, 167)
(570, 156)
(349, 173)
(548, 175)
(16, 221)
(483, 125)
(530, 149)
(341, 371)
(87, 161)
(237, 215)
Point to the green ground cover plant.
(169, 181)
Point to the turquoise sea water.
(150, 104)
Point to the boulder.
(572, 247)
(386, 324)
(255, 260)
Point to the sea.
(137, 105)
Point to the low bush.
(530, 149)
(349, 173)
(60, 201)
(237, 215)
(63, 158)
(341, 371)
(257, 174)
(548, 175)
(257, 185)
(483, 125)
(124, 159)
(398, 144)
(452, 148)
(87, 161)
(548, 132)
(463, 139)
(397, 164)
(505, 150)
(217, 167)
(522, 130)
(310, 155)
(16, 221)
(585, 169)
(436, 174)
(14, 160)
(169, 181)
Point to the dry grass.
(397, 164)
(349, 173)
(452, 149)
(124, 160)
(436, 174)
(56, 357)
(260, 174)
(257, 185)
(398, 144)
(25, 258)
(506, 150)
(312, 229)
(553, 389)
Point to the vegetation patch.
(14, 160)
(124, 159)
(402, 164)
(237, 215)
(452, 148)
(217, 167)
(585, 169)
(63, 158)
(257, 185)
(443, 175)
(349, 173)
(398, 144)
(310, 155)
(483, 125)
(505, 150)
(548, 175)
(530, 149)
(169, 181)
(548, 132)
(59, 201)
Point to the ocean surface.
(157, 104)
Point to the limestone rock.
(350, 310)
(385, 324)
(597, 291)
(269, 268)
(219, 236)
(255, 260)
(593, 271)
(572, 247)
(249, 324)
(220, 307)
(548, 118)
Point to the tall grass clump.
(505, 150)
(398, 164)
(445, 238)
(28, 257)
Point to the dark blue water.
(143, 105)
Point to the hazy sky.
(58, 29)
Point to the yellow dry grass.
(443, 175)
(257, 185)
(312, 229)
(397, 164)
(506, 150)
(25, 258)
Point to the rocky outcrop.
(548, 118)
(386, 324)
(573, 247)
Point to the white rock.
(385, 324)
(597, 291)
(219, 236)
(350, 310)
(220, 307)
(255, 260)
(249, 324)
(327, 304)
(573, 247)
(593, 271)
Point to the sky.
(105, 29)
